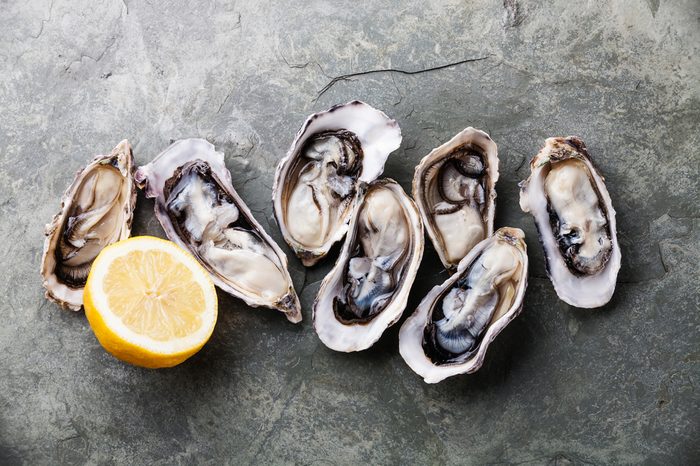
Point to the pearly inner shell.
(94, 220)
(456, 194)
(455, 189)
(96, 211)
(335, 154)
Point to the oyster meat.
(200, 211)
(367, 289)
(575, 221)
(316, 183)
(454, 324)
(455, 189)
(96, 211)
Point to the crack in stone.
(661, 257)
(346, 77)
(294, 65)
(253, 178)
(306, 285)
(688, 217)
(254, 141)
(513, 15)
(397, 91)
(413, 145)
(303, 284)
(96, 60)
(413, 109)
(44, 21)
(225, 100)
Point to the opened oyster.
(96, 210)
(200, 211)
(367, 289)
(575, 221)
(455, 189)
(453, 326)
(316, 183)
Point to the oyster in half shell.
(575, 221)
(367, 289)
(316, 183)
(201, 212)
(96, 211)
(455, 189)
(454, 325)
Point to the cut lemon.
(149, 302)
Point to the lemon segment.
(149, 302)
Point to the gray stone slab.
(617, 385)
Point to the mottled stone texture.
(617, 385)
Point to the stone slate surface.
(617, 385)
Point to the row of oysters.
(327, 188)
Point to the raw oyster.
(201, 212)
(316, 183)
(455, 189)
(96, 210)
(367, 289)
(453, 326)
(575, 221)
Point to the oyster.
(453, 326)
(367, 289)
(96, 210)
(454, 187)
(575, 221)
(316, 183)
(201, 212)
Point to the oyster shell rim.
(395, 309)
(585, 291)
(311, 256)
(442, 151)
(152, 183)
(411, 331)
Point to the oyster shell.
(96, 210)
(575, 221)
(367, 289)
(455, 323)
(455, 189)
(316, 183)
(201, 212)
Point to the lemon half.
(149, 302)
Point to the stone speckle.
(559, 385)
